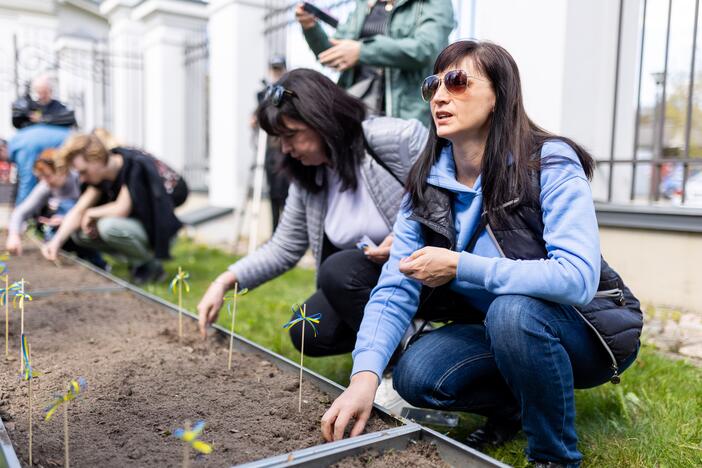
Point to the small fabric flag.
(28, 373)
(191, 437)
(181, 277)
(300, 316)
(75, 387)
(18, 293)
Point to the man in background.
(39, 106)
(42, 124)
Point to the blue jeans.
(527, 358)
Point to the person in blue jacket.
(26, 146)
(498, 237)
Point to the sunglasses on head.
(456, 82)
(276, 93)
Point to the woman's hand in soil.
(355, 403)
(14, 244)
(211, 302)
(381, 253)
(50, 251)
(433, 266)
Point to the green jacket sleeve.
(318, 40)
(418, 51)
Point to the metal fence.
(85, 71)
(665, 163)
(196, 59)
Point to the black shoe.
(494, 433)
(151, 271)
(550, 464)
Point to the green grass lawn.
(652, 419)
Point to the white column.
(237, 62)
(125, 65)
(168, 26)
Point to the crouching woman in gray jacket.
(347, 178)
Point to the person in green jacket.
(383, 50)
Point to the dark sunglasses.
(276, 93)
(456, 82)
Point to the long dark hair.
(331, 112)
(511, 133)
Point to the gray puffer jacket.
(396, 142)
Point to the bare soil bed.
(42, 275)
(417, 455)
(143, 382)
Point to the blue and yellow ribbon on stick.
(300, 316)
(75, 388)
(232, 299)
(28, 374)
(180, 281)
(5, 300)
(191, 438)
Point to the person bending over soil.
(347, 175)
(124, 211)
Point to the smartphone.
(326, 17)
(365, 243)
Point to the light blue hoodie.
(569, 275)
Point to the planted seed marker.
(75, 387)
(300, 316)
(232, 298)
(190, 437)
(5, 300)
(180, 281)
(19, 297)
(28, 374)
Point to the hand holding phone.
(365, 243)
(323, 16)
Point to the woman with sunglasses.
(347, 175)
(497, 235)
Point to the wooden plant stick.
(6, 295)
(28, 374)
(302, 356)
(30, 422)
(65, 435)
(190, 436)
(22, 295)
(186, 448)
(180, 306)
(76, 387)
(180, 281)
(300, 315)
(231, 329)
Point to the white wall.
(534, 32)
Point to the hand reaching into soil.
(50, 251)
(211, 302)
(14, 244)
(355, 403)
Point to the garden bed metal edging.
(452, 452)
(8, 457)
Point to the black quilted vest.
(614, 314)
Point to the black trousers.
(345, 281)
